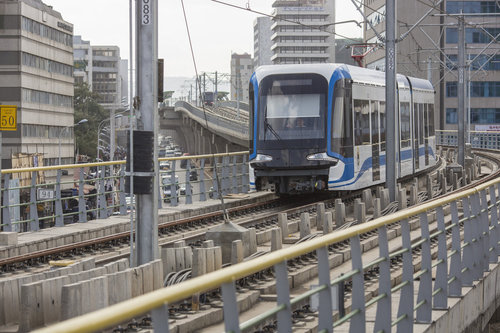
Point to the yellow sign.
(8, 118)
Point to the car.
(177, 153)
(164, 165)
(166, 179)
(193, 175)
(182, 190)
(167, 193)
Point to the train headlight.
(261, 158)
(321, 157)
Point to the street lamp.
(63, 130)
(100, 128)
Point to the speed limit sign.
(8, 118)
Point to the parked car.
(167, 193)
(193, 175)
(183, 189)
(164, 165)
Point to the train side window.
(405, 125)
(431, 120)
(426, 121)
(421, 123)
(251, 115)
(382, 125)
(362, 122)
(374, 120)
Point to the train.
(322, 127)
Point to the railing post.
(201, 174)
(6, 211)
(406, 296)
(486, 231)
(468, 256)
(424, 312)
(235, 174)
(244, 175)
(173, 186)
(441, 283)
(284, 317)
(123, 201)
(494, 235)
(34, 224)
(214, 181)
(103, 214)
(225, 175)
(59, 210)
(82, 207)
(358, 322)
(231, 319)
(383, 315)
(160, 319)
(325, 320)
(455, 287)
(189, 195)
(478, 230)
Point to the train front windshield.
(292, 107)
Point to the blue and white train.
(322, 127)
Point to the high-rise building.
(36, 74)
(419, 55)
(262, 41)
(241, 71)
(99, 67)
(303, 31)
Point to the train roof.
(357, 74)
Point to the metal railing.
(97, 190)
(478, 139)
(474, 244)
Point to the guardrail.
(455, 267)
(478, 139)
(236, 128)
(97, 190)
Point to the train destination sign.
(8, 118)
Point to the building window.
(451, 116)
(46, 31)
(472, 35)
(451, 89)
(472, 7)
(46, 64)
(43, 97)
(485, 89)
(487, 62)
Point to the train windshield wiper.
(268, 126)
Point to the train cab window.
(405, 124)
(362, 122)
(292, 107)
(342, 119)
(382, 125)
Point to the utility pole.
(204, 88)
(390, 97)
(112, 134)
(215, 94)
(238, 80)
(461, 91)
(147, 90)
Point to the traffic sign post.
(8, 122)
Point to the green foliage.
(86, 107)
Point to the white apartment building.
(36, 75)
(303, 31)
(241, 71)
(99, 67)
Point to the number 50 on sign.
(8, 118)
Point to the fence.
(480, 140)
(97, 190)
(474, 244)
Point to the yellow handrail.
(84, 165)
(121, 312)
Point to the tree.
(86, 107)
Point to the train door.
(421, 125)
(362, 139)
(383, 156)
(374, 115)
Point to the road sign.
(8, 118)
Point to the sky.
(217, 30)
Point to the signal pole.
(147, 105)
(461, 91)
(390, 97)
